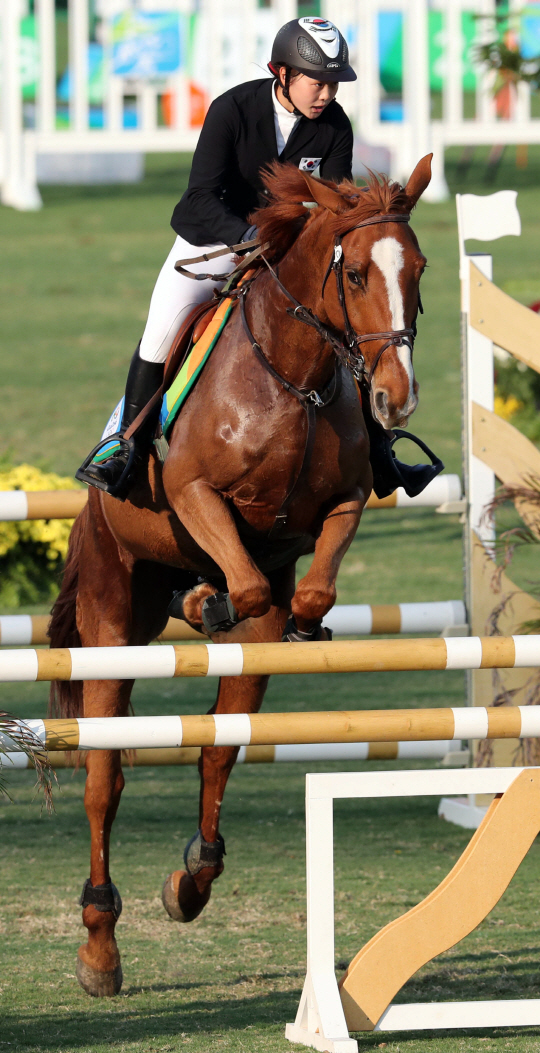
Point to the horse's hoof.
(180, 886)
(96, 983)
(292, 634)
(187, 605)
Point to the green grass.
(74, 284)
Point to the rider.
(293, 117)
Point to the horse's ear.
(323, 194)
(420, 179)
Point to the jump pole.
(449, 752)
(340, 656)
(358, 619)
(272, 729)
(17, 505)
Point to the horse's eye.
(354, 277)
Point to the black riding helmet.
(313, 46)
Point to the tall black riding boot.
(144, 379)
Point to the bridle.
(347, 346)
(355, 360)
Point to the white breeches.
(174, 296)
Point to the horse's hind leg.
(186, 892)
(98, 961)
(120, 602)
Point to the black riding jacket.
(237, 140)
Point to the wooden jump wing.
(510, 455)
(508, 323)
(467, 894)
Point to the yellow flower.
(506, 408)
(51, 535)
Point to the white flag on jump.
(489, 217)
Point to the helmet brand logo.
(324, 33)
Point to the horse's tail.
(65, 698)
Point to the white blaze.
(387, 254)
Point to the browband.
(390, 217)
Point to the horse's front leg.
(316, 593)
(186, 892)
(205, 514)
(98, 961)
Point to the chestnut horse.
(248, 485)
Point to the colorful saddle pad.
(193, 366)
(181, 386)
(111, 428)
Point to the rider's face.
(309, 96)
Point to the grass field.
(74, 285)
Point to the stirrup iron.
(117, 488)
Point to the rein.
(347, 346)
(310, 400)
(254, 244)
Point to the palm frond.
(15, 735)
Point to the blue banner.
(147, 44)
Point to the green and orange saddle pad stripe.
(182, 384)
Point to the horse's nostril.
(381, 402)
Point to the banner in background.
(147, 44)
(29, 57)
(529, 29)
(391, 49)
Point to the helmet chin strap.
(286, 91)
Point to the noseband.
(348, 345)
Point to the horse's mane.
(280, 222)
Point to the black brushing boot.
(115, 475)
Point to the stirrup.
(121, 488)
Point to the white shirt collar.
(280, 108)
(284, 122)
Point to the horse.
(268, 460)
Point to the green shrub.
(32, 551)
(517, 399)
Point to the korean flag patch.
(309, 164)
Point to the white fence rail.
(419, 133)
(19, 145)
(232, 44)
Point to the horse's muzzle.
(388, 411)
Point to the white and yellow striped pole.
(449, 752)
(16, 505)
(20, 630)
(272, 729)
(261, 659)
(354, 619)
